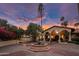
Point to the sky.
(21, 14)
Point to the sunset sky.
(22, 14)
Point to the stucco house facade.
(63, 34)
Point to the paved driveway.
(56, 50)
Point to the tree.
(33, 30)
(76, 24)
(9, 31)
(65, 23)
(3, 22)
(62, 18)
(19, 32)
(10, 27)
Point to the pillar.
(70, 36)
(59, 40)
(50, 38)
(44, 38)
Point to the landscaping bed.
(75, 41)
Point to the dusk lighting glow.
(22, 14)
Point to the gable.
(57, 28)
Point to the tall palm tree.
(40, 11)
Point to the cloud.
(46, 26)
(64, 9)
(22, 19)
(18, 10)
(33, 20)
(51, 22)
(8, 9)
(69, 11)
(10, 21)
(72, 22)
(24, 27)
(14, 13)
(38, 19)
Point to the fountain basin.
(40, 48)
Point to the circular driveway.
(56, 50)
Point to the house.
(58, 33)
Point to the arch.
(64, 36)
(47, 36)
(54, 35)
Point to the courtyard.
(56, 49)
(41, 30)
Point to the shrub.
(75, 42)
(75, 39)
(6, 35)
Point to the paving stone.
(56, 50)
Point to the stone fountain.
(40, 45)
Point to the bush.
(6, 35)
(75, 42)
(75, 39)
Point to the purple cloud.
(69, 10)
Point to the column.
(50, 38)
(70, 36)
(59, 41)
(44, 38)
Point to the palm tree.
(40, 11)
(63, 23)
(76, 25)
(61, 20)
(3, 22)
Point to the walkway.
(56, 50)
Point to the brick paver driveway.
(56, 50)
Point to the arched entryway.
(54, 36)
(47, 36)
(64, 36)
